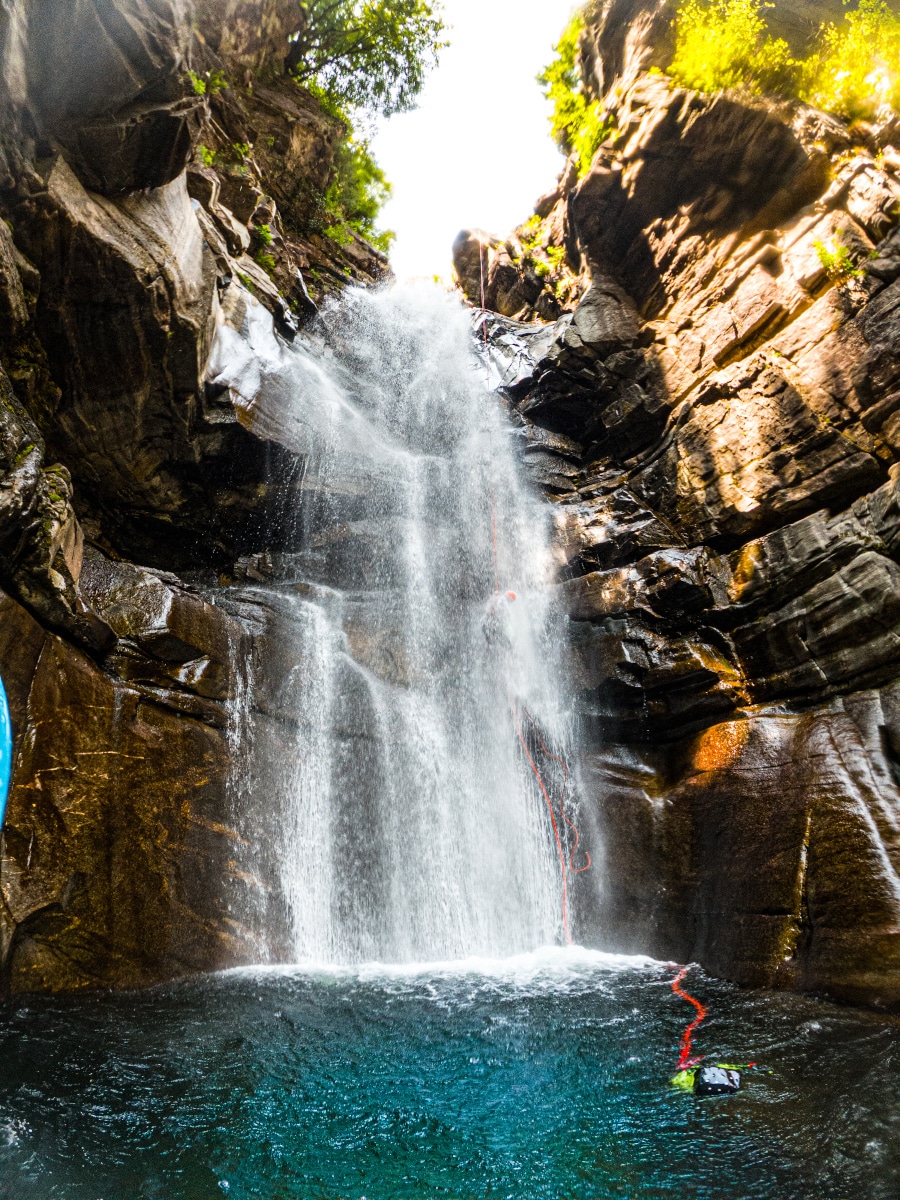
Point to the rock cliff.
(160, 177)
(715, 415)
(697, 338)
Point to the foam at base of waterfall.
(548, 967)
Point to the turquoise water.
(544, 1076)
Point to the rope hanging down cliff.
(566, 865)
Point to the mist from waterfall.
(409, 823)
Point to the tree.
(372, 55)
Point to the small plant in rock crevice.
(338, 233)
(266, 261)
(836, 261)
(208, 84)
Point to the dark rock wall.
(715, 420)
(135, 206)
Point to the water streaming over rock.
(411, 826)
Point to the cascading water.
(412, 825)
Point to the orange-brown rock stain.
(720, 747)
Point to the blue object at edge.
(6, 747)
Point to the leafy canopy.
(725, 44)
(855, 67)
(370, 55)
(358, 193)
(578, 124)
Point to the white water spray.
(412, 827)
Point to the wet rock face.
(117, 839)
(124, 256)
(132, 282)
(726, 488)
(773, 844)
(125, 240)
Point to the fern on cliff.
(579, 124)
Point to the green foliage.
(725, 44)
(530, 229)
(836, 261)
(209, 84)
(853, 70)
(855, 67)
(338, 233)
(579, 125)
(266, 261)
(368, 54)
(241, 151)
(264, 233)
(358, 194)
(207, 156)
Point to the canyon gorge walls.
(695, 335)
(714, 414)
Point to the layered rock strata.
(160, 179)
(715, 418)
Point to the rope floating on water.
(684, 1058)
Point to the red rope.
(684, 1058)
(511, 596)
(562, 800)
(494, 536)
(483, 309)
(559, 848)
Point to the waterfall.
(410, 825)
